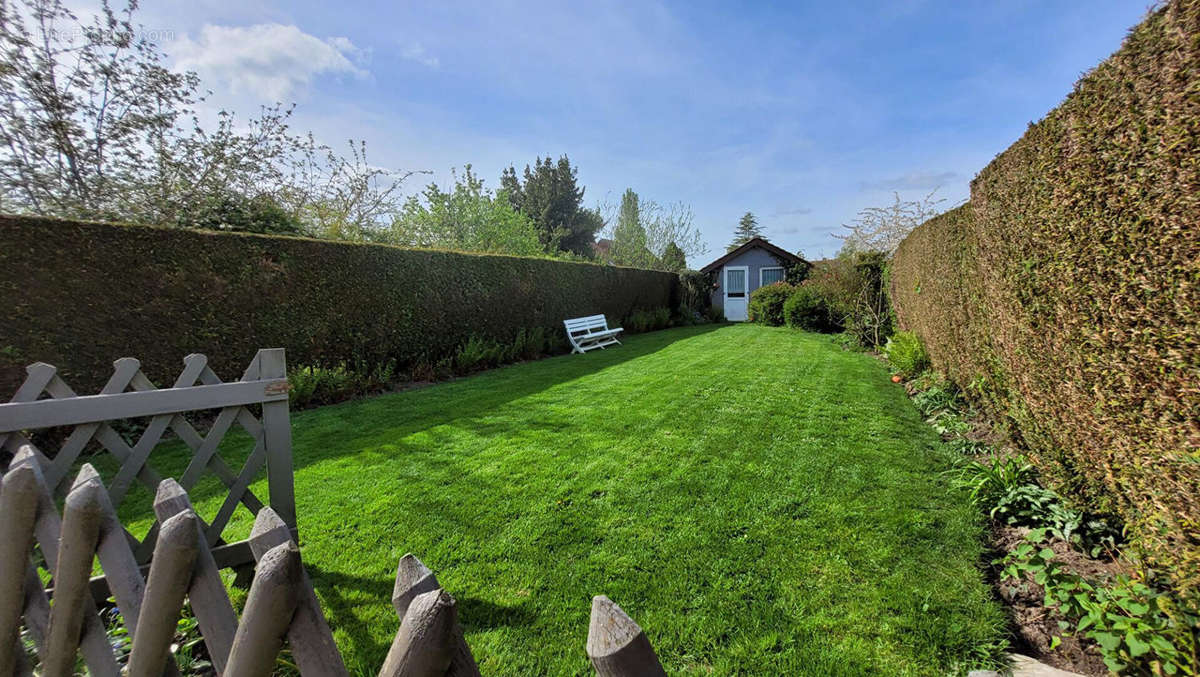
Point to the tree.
(881, 229)
(659, 227)
(550, 196)
(747, 229)
(340, 197)
(238, 213)
(467, 218)
(93, 125)
(674, 259)
(629, 237)
(669, 225)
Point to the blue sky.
(803, 113)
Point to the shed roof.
(777, 252)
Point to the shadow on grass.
(322, 433)
(342, 593)
(468, 397)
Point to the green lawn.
(759, 500)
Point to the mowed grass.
(759, 500)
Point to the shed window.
(768, 276)
(735, 282)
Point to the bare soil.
(1034, 625)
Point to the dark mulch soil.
(1034, 624)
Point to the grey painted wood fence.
(281, 605)
(45, 400)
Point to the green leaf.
(1107, 640)
(1161, 644)
(1136, 646)
(1136, 608)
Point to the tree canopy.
(629, 235)
(94, 125)
(644, 233)
(674, 259)
(468, 217)
(881, 229)
(549, 194)
(747, 229)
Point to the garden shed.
(744, 269)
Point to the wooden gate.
(45, 400)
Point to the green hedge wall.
(1066, 293)
(79, 295)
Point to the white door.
(736, 281)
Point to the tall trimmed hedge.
(1066, 293)
(79, 295)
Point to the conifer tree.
(747, 229)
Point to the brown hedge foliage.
(79, 295)
(1065, 293)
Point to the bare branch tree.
(94, 125)
(672, 224)
(882, 228)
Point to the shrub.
(228, 294)
(647, 320)
(1008, 491)
(806, 308)
(1064, 290)
(478, 353)
(766, 304)
(991, 481)
(695, 292)
(312, 386)
(530, 344)
(906, 354)
(870, 316)
(933, 395)
(1138, 627)
(853, 287)
(836, 281)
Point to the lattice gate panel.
(45, 400)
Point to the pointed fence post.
(617, 646)
(309, 635)
(210, 603)
(268, 613)
(170, 577)
(424, 643)
(18, 504)
(413, 578)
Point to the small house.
(752, 265)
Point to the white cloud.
(272, 61)
(416, 52)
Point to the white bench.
(586, 333)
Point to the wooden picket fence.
(129, 394)
(183, 565)
(281, 604)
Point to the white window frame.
(760, 274)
